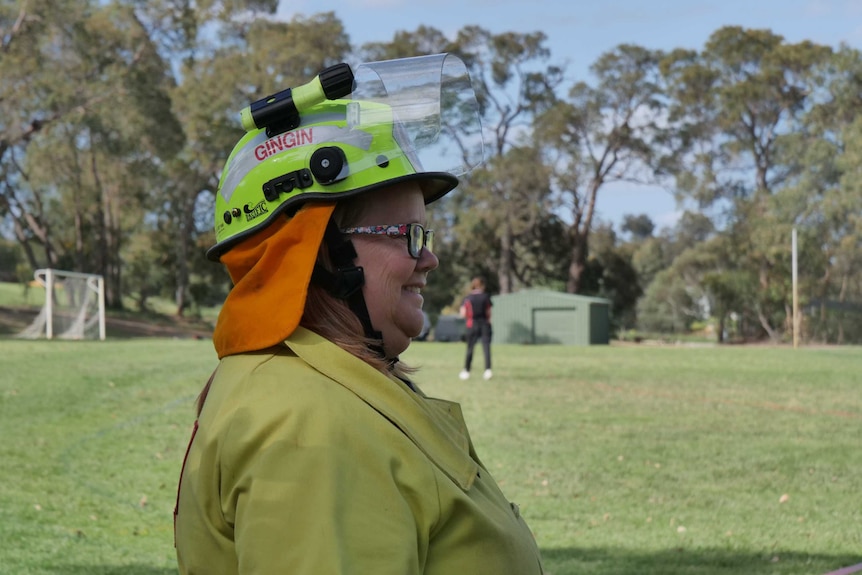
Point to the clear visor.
(437, 122)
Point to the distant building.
(536, 316)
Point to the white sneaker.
(464, 374)
(487, 374)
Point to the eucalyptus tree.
(610, 273)
(737, 123)
(639, 226)
(515, 80)
(511, 218)
(667, 305)
(601, 134)
(830, 235)
(423, 41)
(23, 34)
(656, 253)
(77, 154)
(825, 203)
(688, 274)
(31, 35)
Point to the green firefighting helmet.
(345, 134)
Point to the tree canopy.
(116, 119)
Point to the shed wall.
(538, 316)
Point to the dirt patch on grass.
(14, 320)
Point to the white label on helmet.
(259, 148)
(239, 166)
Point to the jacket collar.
(435, 426)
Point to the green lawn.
(624, 460)
(17, 295)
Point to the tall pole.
(795, 296)
(100, 282)
(49, 304)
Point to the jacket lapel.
(435, 426)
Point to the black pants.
(480, 330)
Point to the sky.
(579, 31)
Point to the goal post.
(74, 306)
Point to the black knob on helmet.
(327, 165)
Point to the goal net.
(74, 306)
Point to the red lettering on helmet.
(284, 142)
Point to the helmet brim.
(434, 185)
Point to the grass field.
(624, 460)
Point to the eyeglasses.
(417, 236)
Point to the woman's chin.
(396, 343)
(395, 346)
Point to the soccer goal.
(74, 306)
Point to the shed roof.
(547, 293)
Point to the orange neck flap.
(271, 271)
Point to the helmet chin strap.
(347, 280)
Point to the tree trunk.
(504, 268)
(79, 240)
(583, 221)
(108, 242)
(112, 253)
(184, 243)
(764, 323)
(41, 231)
(18, 229)
(842, 295)
(578, 263)
(182, 272)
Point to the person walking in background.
(476, 309)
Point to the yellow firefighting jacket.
(306, 460)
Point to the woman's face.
(393, 279)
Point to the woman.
(314, 451)
(476, 309)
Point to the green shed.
(544, 316)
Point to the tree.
(29, 34)
(423, 41)
(831, 235)
(736, 120)
(509, 213)
(640, 227)
(110, 110)
(667, 305)
(600, 135)
(610, 273)
(513, 83)
(824, 204)
(145, 266)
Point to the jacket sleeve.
(314, 483)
